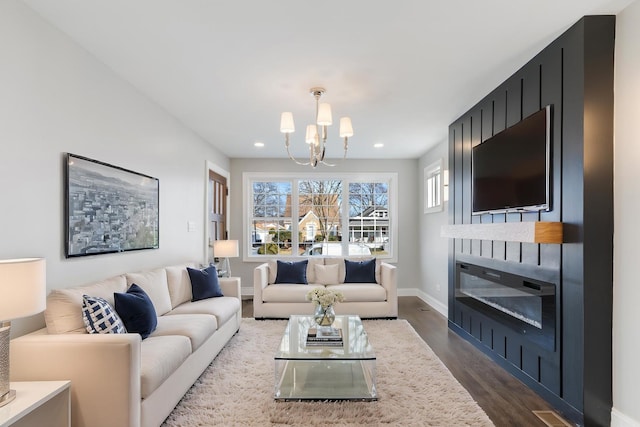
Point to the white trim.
(426, 298)
(618, 419)
(210, 166)
(390, 177)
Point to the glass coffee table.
(347, 372)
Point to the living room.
(59, 98)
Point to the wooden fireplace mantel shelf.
(527, 232)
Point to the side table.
(38, 403)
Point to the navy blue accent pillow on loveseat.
(360, 271)
(292, 272)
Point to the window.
(433, 187)
(348, 214)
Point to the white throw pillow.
(327, 274)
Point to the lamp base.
(8, 397)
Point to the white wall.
(56, 98)
(626, 289)
(433, 286)
(408, 203)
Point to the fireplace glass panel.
(518, 302)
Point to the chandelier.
(316, 135)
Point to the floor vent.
(552, 419)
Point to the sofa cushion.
(360, 271)
(64, 306)
(292, 272)
(204, 283)
(179, 283)
(223, 308)
(159, 358)
(327, 274)
(197, 327)
(361, 292)
(154, 283)
(100, 318)
(287, 292)
(136, 311)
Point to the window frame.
(434, 171)
(390, 178)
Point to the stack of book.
(324, 337)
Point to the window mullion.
(344, 216)
(295, 211)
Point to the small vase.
(324, 316)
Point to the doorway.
(217, 195)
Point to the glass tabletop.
(355, 345)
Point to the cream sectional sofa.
(120, 379)
(368, 300)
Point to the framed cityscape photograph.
(108, 208)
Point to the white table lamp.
(22, 293)
(226, 249)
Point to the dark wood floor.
(505, 399)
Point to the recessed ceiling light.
(378, 145)
(258, 144)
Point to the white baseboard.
(618, 419)
(247, 292)
(428, 299)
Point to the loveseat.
(122, 379)
(375, 297)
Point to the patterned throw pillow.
(100, 318)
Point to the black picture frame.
(109, 209)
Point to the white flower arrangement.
(324, 297)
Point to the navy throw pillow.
(360, 271)
(136, 311)
(292, 272)
(204, 283)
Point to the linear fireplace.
(525, 305)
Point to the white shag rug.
(414, 387)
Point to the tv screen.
(510, 170)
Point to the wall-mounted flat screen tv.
(510, 170)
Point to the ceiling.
(401, 70)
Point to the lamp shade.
(312, 134)
(324, 115)
(22, 287)
(286, 122)
(225, 248)
(346, 130)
